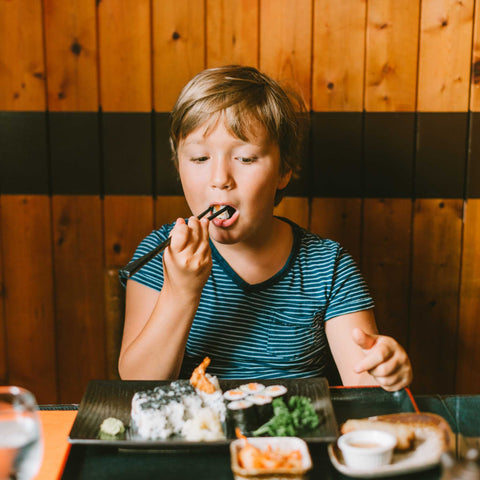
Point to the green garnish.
(290, 420)
(111, 429)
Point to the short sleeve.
(349, 292)
(150, 274)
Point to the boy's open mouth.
(228, 213)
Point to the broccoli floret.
(289, 420)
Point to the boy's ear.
(284, 179)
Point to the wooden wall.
(392, 169)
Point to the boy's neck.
(258, 262)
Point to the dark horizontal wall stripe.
(23, 153)
(75, 153)
(348, 154)
(389, 155)
(167, 181)
(336, 155)
(441, 155)
(127, 153)
(473, 183)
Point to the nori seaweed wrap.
(241, 414)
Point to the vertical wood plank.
(232, 32)
(338, 55)
(468, 378)
(437, 229)
(178, 47)
(339, 219)
(71, 52)
(28, 287)
(78, 253)
(445, 53)
(285, 43)
(127, 220)
(392, 49)
(475, 77)
(386, 248)
(125, 55)
(296, 209)
(22, 72)
(169, 208)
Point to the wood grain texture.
(71, 53)
(445, 53)
(22, 66)
(178, 48)
(475, 75)
(385, 262)
(296, 209)
(468, 378)
(78, 253)
(339, 219)
(232, 32)
(286, 43)
(338, 55)
(125, 55)
(391, 51)
(437, 230)
(127, 220)
(29, 294)
(169, 208)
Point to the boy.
(261, 296)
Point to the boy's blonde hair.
(243, 95)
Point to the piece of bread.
(406, 427)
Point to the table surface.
(460, 411)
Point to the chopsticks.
(134, 266)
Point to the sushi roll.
(252, 388)
(241, 414)
(263, 407)
(234, 394)
(275, 391)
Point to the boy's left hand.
(385, 360)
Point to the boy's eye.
(247, 159)
(199, 159)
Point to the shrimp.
(199, 379)
(251, 457)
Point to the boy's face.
(217, 168)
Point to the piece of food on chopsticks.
(191, 409)
(408, 428)
(294, 418)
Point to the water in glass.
(21, 448)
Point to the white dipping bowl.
(365, 449)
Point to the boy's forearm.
(157, 352)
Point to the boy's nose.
(221, 175)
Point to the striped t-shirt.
(274, 329)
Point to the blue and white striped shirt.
(274, 329)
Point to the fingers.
(377, 355)
(189, 236)
(388, 363)
(362, 339)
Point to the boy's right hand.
(187, 262)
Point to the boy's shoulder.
(310, 239)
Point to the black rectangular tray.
(90, 461)
(113, 398)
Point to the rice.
(177, 410)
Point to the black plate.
(112, 398)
